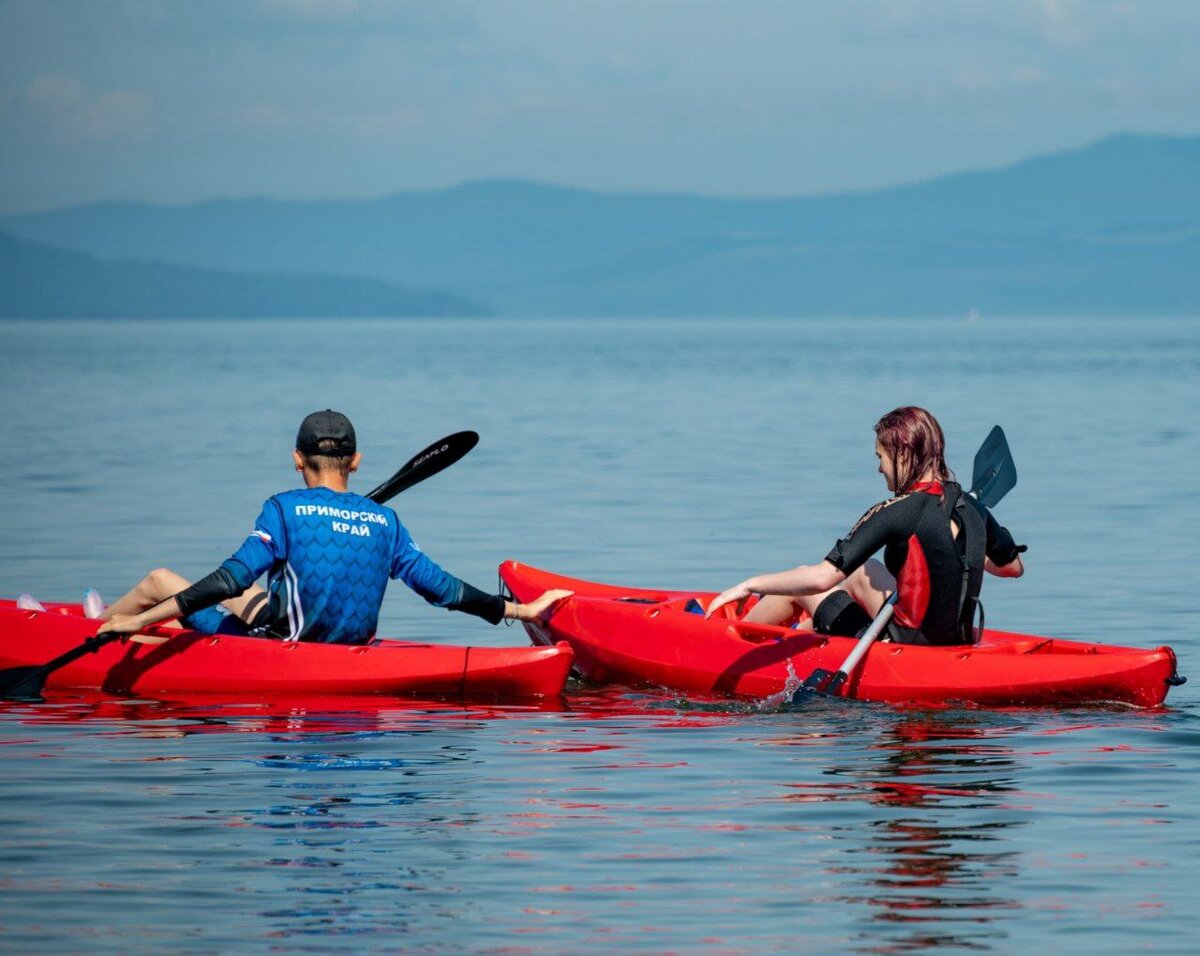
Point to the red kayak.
(197, 663)
(641, 637)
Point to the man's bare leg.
(247, 604)
(162, 583)
(154, 588)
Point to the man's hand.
(540, 609)
(122, 624)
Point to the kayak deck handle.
(756, 633)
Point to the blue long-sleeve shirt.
(328, 556)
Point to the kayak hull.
(189, 662)
(642, 637)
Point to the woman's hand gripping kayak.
(739, 593)
(786, 585)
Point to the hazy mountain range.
(1111, 228)
(41, 281)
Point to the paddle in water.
(26, 683)
(994, 476)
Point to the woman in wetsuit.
(936, 541)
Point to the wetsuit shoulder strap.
(972, 543)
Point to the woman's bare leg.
(775, 609)
(869, 586)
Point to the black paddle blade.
(26, 683)
(995, 471)
(820, 681)
(23, 683)
(425, 463)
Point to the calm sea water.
(661, 453)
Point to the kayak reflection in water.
(328, 554)
(937, 541)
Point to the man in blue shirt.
(328, 555)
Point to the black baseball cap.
(329, 427)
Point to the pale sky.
(176, 101)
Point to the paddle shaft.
(825, 682)
(869, 636)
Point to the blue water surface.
(664, 453)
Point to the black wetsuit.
(938, 575)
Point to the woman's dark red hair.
(915, 441)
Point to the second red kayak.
(196, 663)
(642, 637)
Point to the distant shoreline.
(38, 281)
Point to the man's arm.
(442, 589)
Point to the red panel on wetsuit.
(912, 587)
